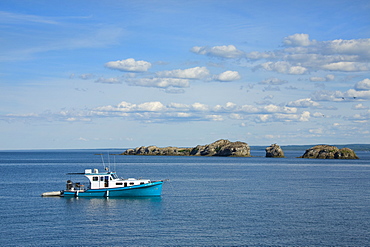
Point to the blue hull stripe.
(151, 189)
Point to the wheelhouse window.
(114, 176)
(95, 178)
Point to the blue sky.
(115, 74)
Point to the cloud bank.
(300, 55)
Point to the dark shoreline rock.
(274, 151)
(154, 150)
(329, 152)
(217, 148)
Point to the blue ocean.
(208, 201)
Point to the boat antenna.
(114, 158)
(102, 159)
(108, 161)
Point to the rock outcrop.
(274, 151)
(154, 150)
(329, 152)
(218, 148)
(222, 148)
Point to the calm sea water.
(209, 201)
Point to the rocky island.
(329, 152)
(274, 151)
(217, 148)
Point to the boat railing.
(77, 186)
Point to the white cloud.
(256, 55)
(283, 117)
(329, 77)
(304, 103)
(225, 51)
(192, 73)
(73, 119)
(183, 114)
(271, 108)
(214, 117)
(283, 67)
(159, 82)
(363, 85)
(289, 110)
(305, 116)
(82, 139)
(273, 81)
(200, 107)
(129, 65)
(108, 80)
(318, 115)
(350, 47)
(359, 107)
(357, 94)
(178, 106)
(230, 105)
(264, 118)
(298, 39)
(361, 118)
(123, 106)
(314, 78)
(346, 96)
(228, 76)
(325, 95)
(129, 107)
(151, 106)
(248, 109)
(26, 115)
(346, 66)
(236, 116)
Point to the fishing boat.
(108, 184)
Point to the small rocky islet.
(227, 148)
(274, 151)
(329, 152)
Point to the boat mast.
(102, 160)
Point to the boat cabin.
(104, 180)
(108, 179)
